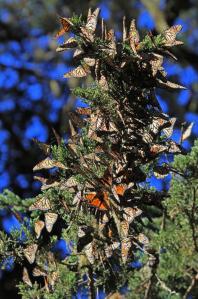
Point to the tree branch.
(91, 284)
(152, 263)
(191, 286)
(165, 287)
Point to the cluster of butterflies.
(149, 62)
(119, 247)
(46, 269)
(138, 133)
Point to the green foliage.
(9, 199)
(177, 239)
(33, 292)
(95, 97)
(61, 153)
(149, 43)
(180, 233)
(88, 145)
(77, 22)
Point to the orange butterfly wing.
(60, 33)
(101, 200)
(95, 201)
(65, 27)
(120, 189)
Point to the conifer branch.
(95, 192)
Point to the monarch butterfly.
(156, 63)
(187, 132)
(38, 227)
(174, 147)
(99, 201)
(103, 222)
(78, 72)
(46, 183)
(124, 229)
(42, 204)
(169, 131)
(43, 146)
(38, 272)
(52, 278)
(106, 180)
(125, 247)
(110, 35)
(66, 26)
(77, 53)
(75, 118)
(133, 33)
(83, 111)
(133, 36)
(92, 156)
(116, 295)
(103, 83)
(161, 172)
(69, 44)
(82, 231)
(30, 253)
(96, 119)
(48, 164)
(50, 185)
(26, 278)
(165, 84)
(92, 20)
(89, 61)
(157, 123)
(87, 34)
(143, 239)
(157, 149)
(71, 182)
(89, 252)
(95, 124)
(131, 213)
(111, 50)
(110, 233)
(110, 248)
(171, 33)
(120, 189)
(146, 137)
(50, 219)
(40, 179)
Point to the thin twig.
(165, 287)
(191, 219)
(152, 263)
(91, 284)
(191, 286)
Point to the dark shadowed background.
(34, 97)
